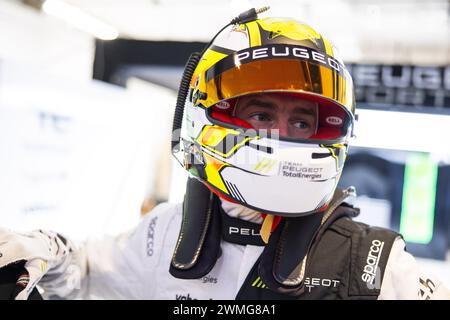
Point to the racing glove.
(45, 254)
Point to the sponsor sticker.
(333, 120)
(223, 105)
(298, 170)
(372, 272)
(151, 236)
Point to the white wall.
(74, 157)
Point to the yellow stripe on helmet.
(254, 34)
(212, 169)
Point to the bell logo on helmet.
(333, 120)
(223, 105)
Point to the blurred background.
(88, 88)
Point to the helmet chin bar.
(281, 171)
(227, 197)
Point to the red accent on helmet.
(332, 117)
(231, 120)
(325, 133)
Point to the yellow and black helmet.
(281, 175)
(271, 55)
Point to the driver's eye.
(263, 117)
(303, 125)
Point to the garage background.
(88, 88)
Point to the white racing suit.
(135, 265)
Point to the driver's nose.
(282, 127)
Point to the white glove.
(42, 251)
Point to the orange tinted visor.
(329, 84)
(223, 83)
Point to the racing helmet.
(275, 59)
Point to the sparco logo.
(371, 270)
(151, 236)
(243, 231)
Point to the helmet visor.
(324, 82)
